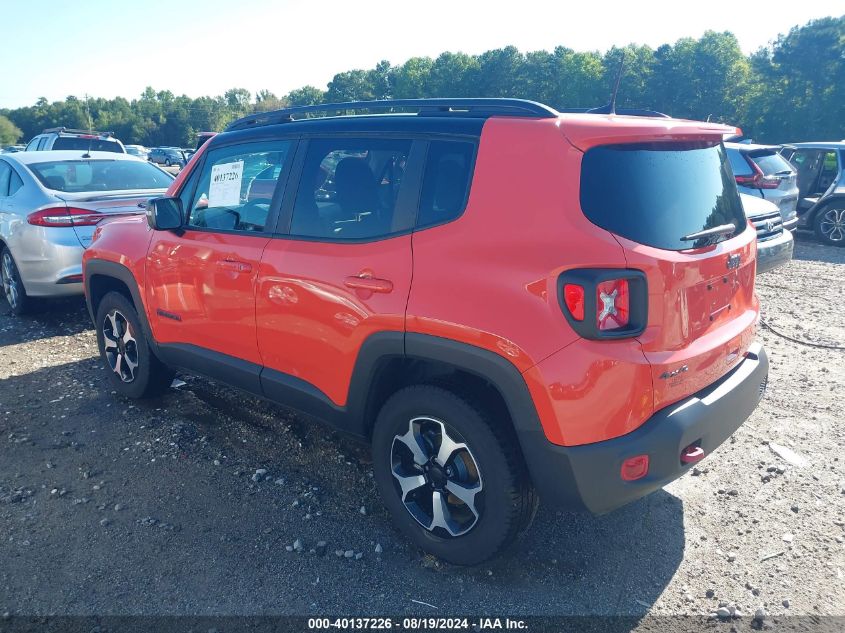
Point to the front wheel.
(829, 225)
(13, 288)
(133, 369)
(167, 162)
(452, 479)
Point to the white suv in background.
(65, 138)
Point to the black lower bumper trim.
(588, 476)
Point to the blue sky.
(197, 47)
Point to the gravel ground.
(207, 501)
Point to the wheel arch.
(102, 277)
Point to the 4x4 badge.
(733, 261)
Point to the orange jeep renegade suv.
(507, 302)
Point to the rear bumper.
(588, 476)
(775, 252)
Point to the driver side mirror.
(164, 214)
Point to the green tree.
(307, 95)
(9, 132)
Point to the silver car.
(760, 171)
(774, 242)
(50, 204)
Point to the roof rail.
(428, 107)
(622, 111)
(72, 131)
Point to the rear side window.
(448, 171)
(5, 177)
(92, 144)
(349, 188)
(770, 163)
(657, 193)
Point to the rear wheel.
(133, 369)
(453, 482)
(13, 288)
(829, 224)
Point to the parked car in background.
(762, 172)
(66, 138)
(50, 204)
(821, 186)
(585, 351)
(774, 242)
(11, 149)
(137, 150)
(168, 156)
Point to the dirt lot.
(114, 507)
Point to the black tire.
(505, 502)
(829, 224)
(13, 289)
(149, 377)
(167, 162)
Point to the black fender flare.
(113, 270)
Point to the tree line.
(791, 90)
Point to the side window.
(42, 143)
(445, 188)
(5, 176)
(349, 189)
(236, 186)
(15, 183)
(33, 144)
(830, 169)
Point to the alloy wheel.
(10, 281)
(832, 224)
(437, 476)
(120, 345)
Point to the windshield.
(100, 175)
(657, 193)
(92, 144)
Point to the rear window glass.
(92, 144)
(739, 165)
(100, 175)
(770, 163)
(657, 193)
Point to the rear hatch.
(669, 198)
(103, 206)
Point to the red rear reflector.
(634, 468)
(64, 216)
(573, 296)
(613, 309)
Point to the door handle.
(234, 266)
(372, 284)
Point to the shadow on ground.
(143, 521)
(58, 317)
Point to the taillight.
(64, 216)
(613, 306)
(602, 303)
(757, 180)
(573, 295)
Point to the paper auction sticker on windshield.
(225, 187)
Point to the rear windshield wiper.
(722, 229)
